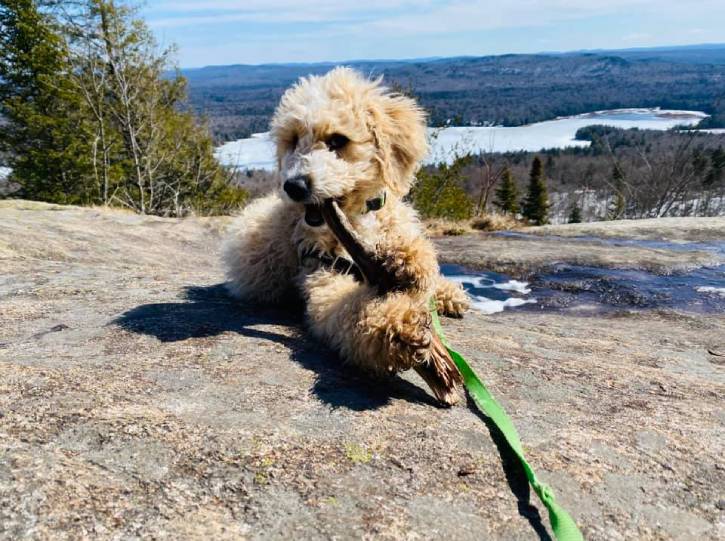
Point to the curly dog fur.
(384, 141)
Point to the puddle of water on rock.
(592, 290)
(580, 289)
(490, 292)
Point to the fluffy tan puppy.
(341, 137)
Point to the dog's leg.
(259, 258)
(451, 298)
(401, 272)
(382, 334)
(413, 263)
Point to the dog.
(350, 142)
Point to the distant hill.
(689, 54)
(506, 89)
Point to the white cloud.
(407, 17)
(462, 15)
(295, 30)
(444, 13)
(276, 11)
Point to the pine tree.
(575, 216)
(43, 113)
(549, 167)
(618, 205)
(716, 171)
(535, 206)
(507, 194)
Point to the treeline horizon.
(508, 90)
(623, 174)
(90, 116)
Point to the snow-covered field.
(595, 204)
(257, 152)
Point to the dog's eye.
(336, 142)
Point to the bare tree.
(147, 154)
(489, 174)
(652, 189)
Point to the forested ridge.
(507, 90)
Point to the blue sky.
(259, 31)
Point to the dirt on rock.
(674, 229)
(137, 400)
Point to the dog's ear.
(398, 125)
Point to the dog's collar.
(340, 264)
(313, 217)
(337, 264)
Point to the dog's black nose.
(298, 188)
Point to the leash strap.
(565, 529)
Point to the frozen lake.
(583, 289)
(257, 152)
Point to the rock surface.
(594, 244)
(136, 400)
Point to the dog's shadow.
(208, 311)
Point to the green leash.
(565, 529)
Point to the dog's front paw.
(397, 333)
(451, 299)
(402, 269)
(411, 266)
(410, 344)
(406, 331)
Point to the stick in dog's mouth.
(440, 372)
(370, 264)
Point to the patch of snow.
(4, 172)
(257, 152)
(447, 143)
(475, 281)
(490, 306)
(594, 205)
(633, 112)
(482, 282)
(514, 285)
(710, 289)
